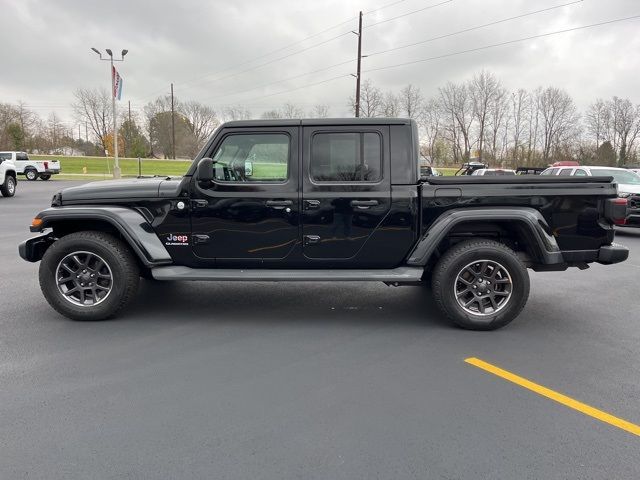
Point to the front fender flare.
(133, 227)
(547, 248)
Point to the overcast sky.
(205, 46)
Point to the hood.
(628, 188)
(154, 187)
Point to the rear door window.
(346, 157)
(565, 172)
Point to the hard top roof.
(292, 122)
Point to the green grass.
(103, 167)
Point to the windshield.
(620, 176)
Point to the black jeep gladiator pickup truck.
(322, 200)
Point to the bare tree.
(520, 115)
(626, 126)
(271, 114)
(559, 119)
(320, 111)
(485, 90)
(290, 110)
(93, 106)
(391, 105)
(430, 123)
(497, 122)
(236, 112)
(410, 101)
(371, 100)
(597, 121)
(457, 108)
(202, 120)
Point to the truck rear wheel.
(480, 284)
(31, 174)
(45, 176)
(88, 276)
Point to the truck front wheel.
(480, 284)
(88, 276)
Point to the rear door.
(250, 212)
(346, 190)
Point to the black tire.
(453, 279)
(8, 188)
(31, 174)
(122, 269)
(45, 176)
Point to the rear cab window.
(346, 157)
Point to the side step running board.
(400, 274)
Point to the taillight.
(615, 210)
(46, 165)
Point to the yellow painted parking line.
(558, 397)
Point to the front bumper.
(33, 249)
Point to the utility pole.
(129, 129)
(86, 131)
(173, 127)
(116, 164)
(79, 136)
(359, 62)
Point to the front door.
(346, 189)
(249, 213)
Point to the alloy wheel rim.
(84, 278)
(483, 287)
(10, 186)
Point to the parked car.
(494, 172)
(32, 169)
(469, 167)
(322, 200)
(627, 180)
(8, 176)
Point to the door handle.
(278, 204)
(199, 203)
(311, 239)
(311, 204)
(364, 203)
(200, 238)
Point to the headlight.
(624, 194)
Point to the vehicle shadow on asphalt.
(285, 303)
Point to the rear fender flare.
(548, 252)
(134, 228)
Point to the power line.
(301, 87)
(437, 57)
(279, 49)
(409, 13)
(269, 62)
(237, 92)
(470, 29)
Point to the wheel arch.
(524, 226)
(125, 223)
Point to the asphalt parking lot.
(313, 381)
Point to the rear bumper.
(613, 253)
(33, 249)
(51, 171)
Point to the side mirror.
(205, 170)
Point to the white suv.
(32, 169)
(8, 179)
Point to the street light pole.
(116, 164)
